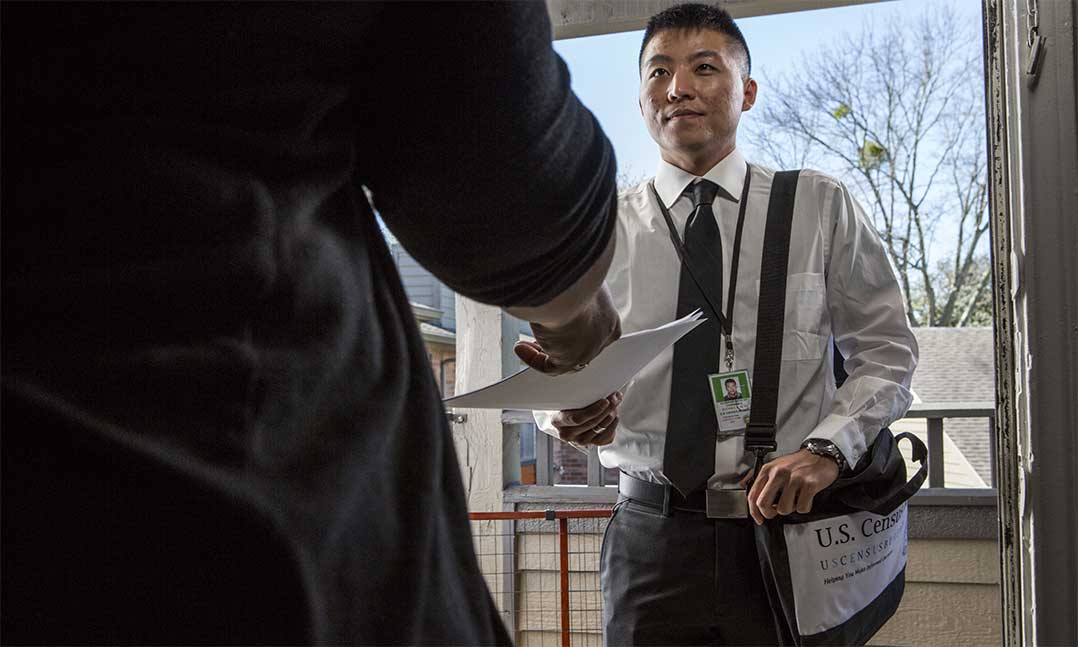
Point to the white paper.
(611, 370)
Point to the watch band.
(821, 447)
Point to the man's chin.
(697, 142)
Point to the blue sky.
(605, 74)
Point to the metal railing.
(934, 415)
(507, 558)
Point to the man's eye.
(706, 67)
(657, 72)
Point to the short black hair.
(730, 380)
(695, 16)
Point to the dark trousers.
(682, 580)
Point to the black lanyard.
(726, 323)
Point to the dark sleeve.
(481, 160)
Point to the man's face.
(692, 92)
(731, 389)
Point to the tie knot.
(703, 192)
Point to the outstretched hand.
(561, 349)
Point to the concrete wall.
(952, 596)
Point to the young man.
(672, 574)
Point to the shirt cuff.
(544, 420)
(845, 433)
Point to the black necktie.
(689, 455)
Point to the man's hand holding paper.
(561, 348)
(594, 424)
(532, 389)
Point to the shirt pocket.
(805, 308)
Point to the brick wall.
(437, 356)
(570, 465)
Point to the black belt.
(717, 504)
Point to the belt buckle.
(727, 504)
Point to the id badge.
(732, 397)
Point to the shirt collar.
(729, 173)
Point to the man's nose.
(680, 87)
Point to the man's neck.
(698, 165)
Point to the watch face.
(822, 448)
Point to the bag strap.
(770, 317)
(770, 321)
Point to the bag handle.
(885, 505)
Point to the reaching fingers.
(586, 416)
(590, 425)
(532, 354)
(579, 425)
(589, 415)
(605, 422)
(585, 433)
(607, 436)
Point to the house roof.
(958, 365)
(436, 335)
(424, 312)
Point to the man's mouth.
(682, 114)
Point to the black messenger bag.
(836, 575)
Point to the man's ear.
(750, 95)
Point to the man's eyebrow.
(663, 58)
(704, 53)
(658, 58)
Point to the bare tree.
(897, 111)
(626, 181)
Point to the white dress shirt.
(840, 282)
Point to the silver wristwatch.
(822, 447)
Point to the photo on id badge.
(732, 396)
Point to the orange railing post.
(563, 517)
(563, 541)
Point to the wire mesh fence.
(542, 568)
